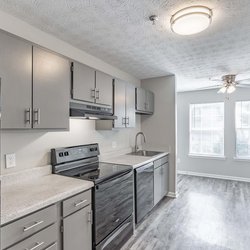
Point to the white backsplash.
(32, 147)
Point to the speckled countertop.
(132, 160)
(20, 198)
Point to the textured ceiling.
(118, 31)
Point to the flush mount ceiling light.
(191, 20)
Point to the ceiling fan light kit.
(191, 20)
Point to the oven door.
(113, 205)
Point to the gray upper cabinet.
(51, 78)
(144, 101)
(89, 85)
(35, 86)
(104, 88)
(83, 87)
(130, 106)
(119, 103)
(124, 104)
(16, 85)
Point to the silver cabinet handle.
(38, 244)
(28, 115)
(93, 93)
(97, 94)
(50, 247)
(90, 217)
(127, 121)
(25, 229)
(123, 120)
(80, 203)
(36, 116)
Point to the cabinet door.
(164, 181)
(104, 88)
(119, 103)
(16, 85)
(140, 99)
(51, 85)
(157, 185)
(149, 101)
(83, 83)
(77, 230)
(130, 106)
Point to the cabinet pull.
(127, 123)
(50, 247)
(80, 203)
(36, 116)
(97, 94)
(90, 217)
(28, 115)
(93, 95)
(123, 120)
(38, 244)
(25, 229)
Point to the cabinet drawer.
(22, 228)
(39, 241)
(54, 246)
(76, 202)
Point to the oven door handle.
(112, 237)
(117, 178)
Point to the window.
(207, 129)
(242, 121)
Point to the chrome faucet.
(136, 144)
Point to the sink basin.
(145, 153)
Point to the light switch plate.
(10, 160)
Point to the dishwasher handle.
(144, 168)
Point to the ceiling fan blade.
(243, 81)
(210, 87)
(241, 85)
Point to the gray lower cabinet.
(90, 85)
(77, 230)
(34, 86)
(66, 225)
(77, 222)
(161, 176)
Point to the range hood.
(91, 111)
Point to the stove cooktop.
(97, 172)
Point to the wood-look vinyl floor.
(209, 214)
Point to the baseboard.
(172, 195)
(223, 177)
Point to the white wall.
(32, 147)
(160, 128)
(229, 166)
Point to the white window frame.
(209, 156)
(236, 157)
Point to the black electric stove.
(112, 194)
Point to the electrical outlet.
(10, 160)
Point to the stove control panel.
(64, 155)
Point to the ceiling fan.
(229, 83)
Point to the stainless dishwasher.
(144, 190)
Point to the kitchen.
(88, 151)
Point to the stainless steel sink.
(145, 153)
